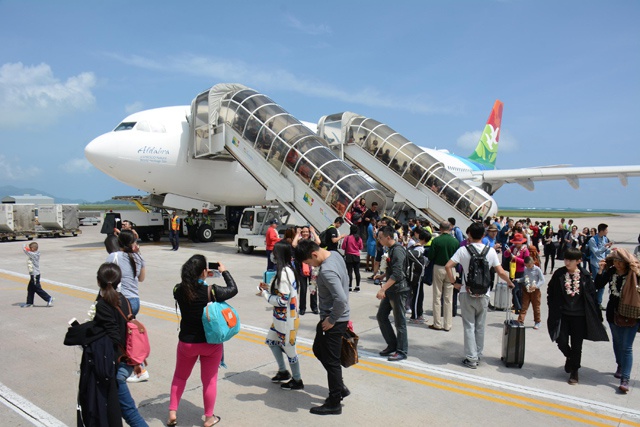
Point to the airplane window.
(143, 127)
(125, 126)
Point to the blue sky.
(568, 73)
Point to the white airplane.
(152, 150)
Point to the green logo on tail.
(487, 150)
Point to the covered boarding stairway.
(292, 163)
(412, 175)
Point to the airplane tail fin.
(487, 150)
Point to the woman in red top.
(352, 245)
(517, 252)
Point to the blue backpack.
(220, 320)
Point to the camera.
(214, 265)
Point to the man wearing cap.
(271, 239)
(517, 252)
(442, 249)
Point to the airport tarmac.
(38, 380)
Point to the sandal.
(216, 420)
(174, 421)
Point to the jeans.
(516, 293)
(594, 272)
(474, 319)
(34, 287)
(135, 305)
(127, 404)
(295, 366)
(622, 338)
(327, 346)
(394, 301)
(576, 328)
(174, 238)
(187, 354)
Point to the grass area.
(552, 214)
(104, 208)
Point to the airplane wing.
(527, 176)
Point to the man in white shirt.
(474, 308)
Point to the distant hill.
(9, 190)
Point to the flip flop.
(216, 420)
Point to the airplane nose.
(98, 152)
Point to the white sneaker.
(144, 376)
(536, 326)
(50, 303)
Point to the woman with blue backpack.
(192, 296)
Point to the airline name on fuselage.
(153, 150)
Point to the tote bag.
(220, 320)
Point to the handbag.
(349, 350)
(137, 345)
(628, 311)
(220, 320)
(512, 270)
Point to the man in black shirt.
(332, 236)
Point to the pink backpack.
(137, 346)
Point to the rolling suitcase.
(501, 297)
(513, 342)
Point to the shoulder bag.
(628, 311)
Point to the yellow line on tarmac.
(471, 390)
(495, 392)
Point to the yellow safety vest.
(175, 223)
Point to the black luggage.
(513, 340)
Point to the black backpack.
(414, 266)
(325, 237)
(479, 275)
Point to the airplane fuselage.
(158, 161)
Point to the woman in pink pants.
(191, 295)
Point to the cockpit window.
(125, 126)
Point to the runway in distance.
(152, 150)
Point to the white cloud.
(76, 166)
(133, 108)
(33, 95)
(311, 29)
(469, 140)
(280, 79)
(10, 170)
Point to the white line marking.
(419, 366)
(27, 410)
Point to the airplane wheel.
(244, 247)
(205, 233)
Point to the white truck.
(148, 225)
(253, 227)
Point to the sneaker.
(144, 376)
(357, 289)
(387, 352)
(624, 386)
(281, 376)
(50, 303)
(26, 305)
(292, 385)
(396, 357)
(470, 364)
(417, 321)
(618, 373)
(536, 326)
(573, 378)
(409, 311)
